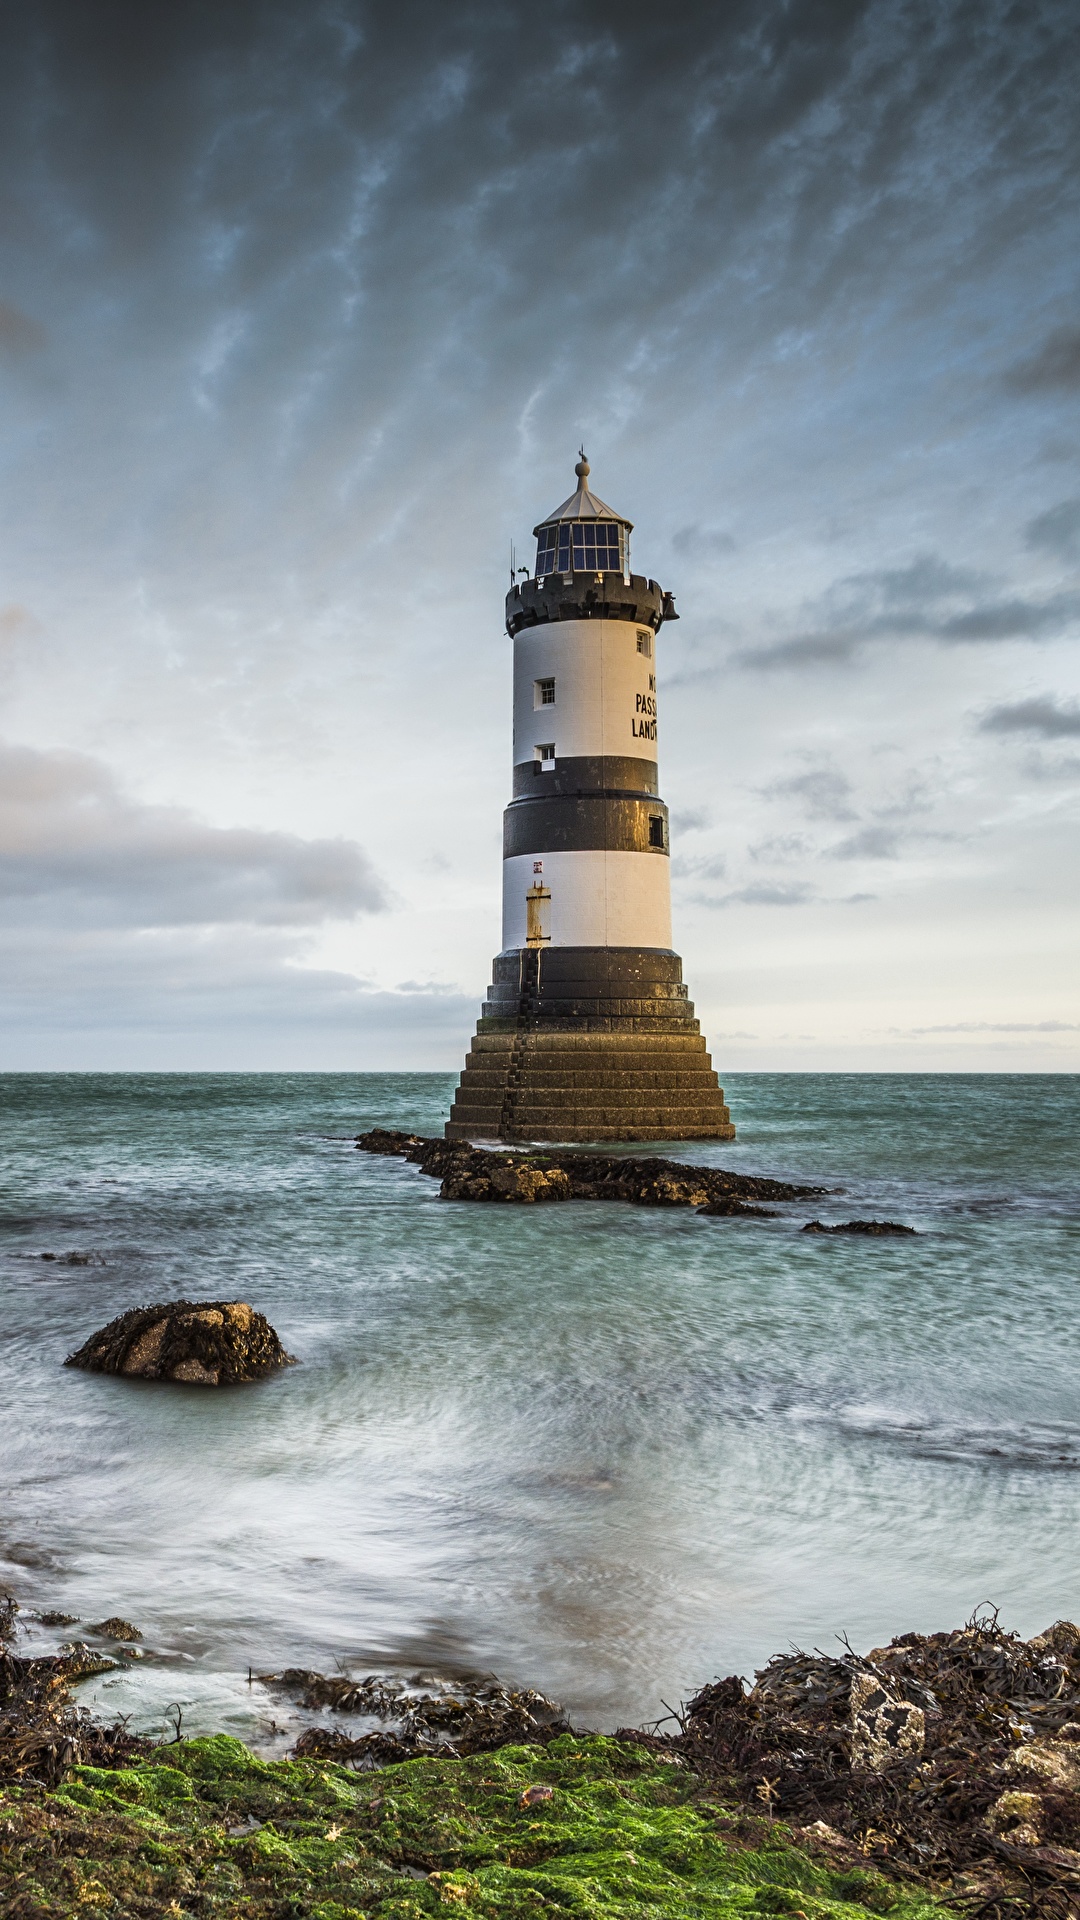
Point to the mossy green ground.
(621, 1835)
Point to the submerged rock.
(858, 1226)
(205, 1343)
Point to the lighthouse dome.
(584, 535)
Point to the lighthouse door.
(537, 915)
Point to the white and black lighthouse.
(587, 1033)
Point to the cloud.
(781, 847)
(1018, 619)
(1053, 368)
(224, 998)
(994, 1026)
(870, 843)
(824, 793)
(698, 867)
(703, 543)
(332, 291)
(75, 849)
(759, 896)
(1041, 716)
(19, 335)
(923, 600)
(1057, 530)
(134, 934)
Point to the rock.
(727, 1207)
(1016, 1816)
(478, 1173)
(505, 1181)
(212, 1343)
(883, 1728)
(1063, 1638)
(115, 1629)
(858, 1226)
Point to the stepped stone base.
(588, 1043)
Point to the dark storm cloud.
(1053, 368)
(480, 216)
(1042, 717)
(75, 848)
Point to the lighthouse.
(587, 1032)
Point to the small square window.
(656, 830)
(644, 644)
(544, 758)
(543, 693)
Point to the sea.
(603, 1450)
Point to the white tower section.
(585, 691)
(586, 822)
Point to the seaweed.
(950, 1755)
(197, 1342)
(585, 1826)
(877, 1228)
(454, 1720)
(42, 1731)
(473, 1173)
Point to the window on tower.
(644, 644)
(544, 758)
(579, 546)
(656, 830)
(543, 693)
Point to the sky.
(305, 310)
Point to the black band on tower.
(614, 774)
(593, 822)
(587, 596)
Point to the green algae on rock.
(618, 1833)
(203, 1343)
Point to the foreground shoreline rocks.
(202, 1343)
(943, 1769)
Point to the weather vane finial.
(582, 468)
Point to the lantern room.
(583, 535)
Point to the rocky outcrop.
(204, 1343)
(474, 1173)
(876, 1228)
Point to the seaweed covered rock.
(877, 1229)
(582, 1827)
(419, 1717)
(481, 1173)
(205, 1343)
(42, 1731)
(955, 1756)
(512, 1181)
